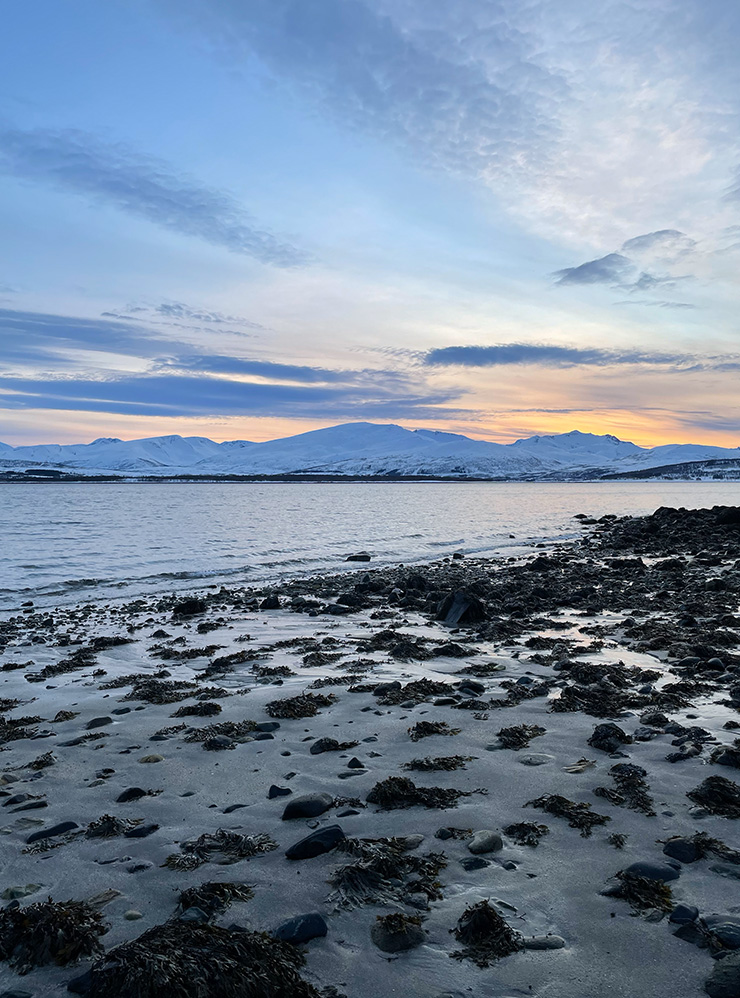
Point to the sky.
(244, 220)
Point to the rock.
(360, 556)
(132, 915)
(48, 833)
(267, 726)
(276, 791)
(302, 929)
(534, 758)
(471, 863)
(21, 891)
(152, 758)
(194, 916)
(139, 866)
(322, 745)
(308, 806)
(316, 843)
(655, 871)
(726, 928)
(544, 942)
(682, 914)
(382, 688)
(724, 981)
(219, 743)
(141, 831)
(396, 932)
(98, 722)
(132, 793)
(460, 608)
(16, 993)
(608, 737)
(411, 842)
(471, 686)
(485, 841)
(271, 602)
(80, 985)
(189, 607)
(684, 850)
(354, 763)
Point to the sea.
(77, 542)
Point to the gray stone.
(654, 871)
(471, 863)
(194, 916)
(388, 941)
(48, 833)
(302, 928)
(276, 791)
(534, 758)
(544, 942)
(683, 914)
(726, 928)
(316, 843)
(724, 981)
(485, 841)
(308, 806)
(98, 722)
(684, 850)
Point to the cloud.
(610, 269)
(544, 355)
(188, 316)
(662, 240)
(75, 161)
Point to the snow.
(362, 449)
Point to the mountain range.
(374, 450)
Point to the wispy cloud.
(75, 161)
(544, 355)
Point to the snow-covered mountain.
(364, 449)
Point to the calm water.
(76, 541)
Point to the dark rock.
(264, 736)
(682, 914)
(302, 928)
(194, 915)
(726, 928)
(141, 831)
(360, 556)
(267, 726)
(276, 791)
(271, 602)
(684, 850)
(470, 863)
(461, 608)
(316, 843)
(308, 806)
(189, 607)
(397, 932)
(383, 688)
(80, 985)
(724, 981)
(98, 722)
(48, 833)
(132, 793)
(655, 871)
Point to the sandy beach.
(505, 736)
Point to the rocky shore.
(494, 777)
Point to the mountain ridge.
(363, 449)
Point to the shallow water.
(63, 542)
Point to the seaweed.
(60, 932)
(160, 691)
(707, 846)
(81, 658)
(578, 815)
(384, 873)
(232, 729)
(13, 729)
(305, 705)
(485, 936)
(204, 708)
(441, 763)
(423, 729)
(399, 792)
(631, 789)
(717, 796)
(518, 735)
(222, 847)
(416, 691)
(42, 762)
(641, 893)
(214, 897)
(397, 931)
(183, 960)
(106, 826)
(64, 715)
(8, 703)
(618, 840)
(526, 833)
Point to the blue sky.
(244, 220)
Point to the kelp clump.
(182, 960)
(222, 847)
(203, 708)
(399, 792)
(235, 730)
(60, 932)
(441, 763)
(641, 893)
(518, 736)
(578, 815)
(214, 897)
(423, 729)
(384, 872)
(717, 796)
(305, 705)
(526, 833)
(106, 826)
(485, 936)
(632, 790)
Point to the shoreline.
(633, 625)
